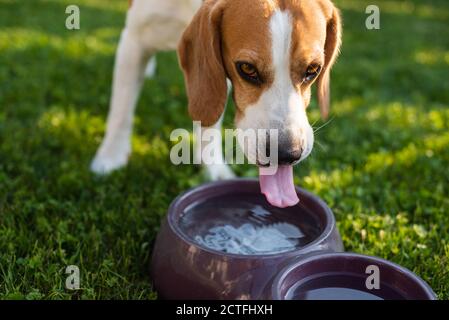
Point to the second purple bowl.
(348, 276)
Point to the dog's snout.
(290, 156)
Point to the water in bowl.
(248, 225)
(340, 287)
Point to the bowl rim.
(285, 272)
(330, 224)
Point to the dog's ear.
(331, 51)
(202, 63)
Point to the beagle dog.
(270, 51)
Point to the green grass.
(381, 163)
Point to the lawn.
(381, 163)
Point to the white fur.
(281, 106)
(211, 139)
(150, 71)
(216, 168)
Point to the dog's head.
(273, 51)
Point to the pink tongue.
(278, 188)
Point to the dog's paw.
(105, 165)
(218, 172)
(106, 162)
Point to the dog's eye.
(312, 72)
(248, 72)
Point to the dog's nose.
(286, 157)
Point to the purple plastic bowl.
(299, 280)
(183, 269)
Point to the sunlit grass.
(21, 39)
(432, 57)
(428, 146)
(404, 116)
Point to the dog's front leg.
(129, 72)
